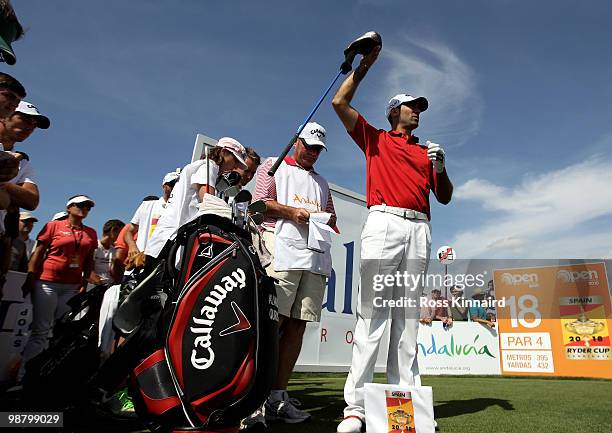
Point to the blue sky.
(520, 97)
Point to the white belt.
(407, 214)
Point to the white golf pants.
(389, 244)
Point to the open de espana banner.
(556, 321)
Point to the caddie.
(400, 173)
(293, 195)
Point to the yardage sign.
(556, 321)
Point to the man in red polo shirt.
(396, 237)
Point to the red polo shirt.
(398, 172)
(121, 244)
(68, 248)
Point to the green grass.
(475, 404)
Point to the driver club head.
(363, 45)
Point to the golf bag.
(209, 351)
(54, 379)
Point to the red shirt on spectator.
(67, 249)
(120, 243)
(398, 172)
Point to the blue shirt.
(480, 312)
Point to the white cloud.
(433, 70)
(543, 216)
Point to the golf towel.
(398, 409)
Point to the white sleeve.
(26, 173)
(199, 177)
(137, 218)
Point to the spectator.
(458, 312)
(490, 295)
(57, 271)
(253, 160)
(122, 248)
(11, 93)
(145, 219)
(10, 31)
(193, 184)
(23, 246)
(21, 190)
(104, 254)
(477, 313)
(59, 216)
(439, 312)
(16, 128)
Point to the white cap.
(478, 291)
(31, 110)
(402, 98)
(80, 199)
(314, 134)
(170, 177)
(25, 216)
(59, 216)
(235, 147)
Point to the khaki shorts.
(299, 293)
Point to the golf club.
(362, 45)
(227, 185)
(258, 206)
(240, 205)
(257, 218)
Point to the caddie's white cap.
(314, 134)
(402, 98)
(235, 147)
(80, 199)
(170, 177)
(31, 110)
(60, 216)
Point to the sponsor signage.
(556, 320)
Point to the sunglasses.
(314, 147)
(84, 205)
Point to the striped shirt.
(265, 189)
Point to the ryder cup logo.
(446, 255)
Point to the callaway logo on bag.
(203, 355)
(207, 251)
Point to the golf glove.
(436, 155)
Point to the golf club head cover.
(363, 45)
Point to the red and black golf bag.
(212, 343)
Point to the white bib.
(300, 188)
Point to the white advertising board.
(15, 318)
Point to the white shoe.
(254, 422)
(285, 411)
(351, 424)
